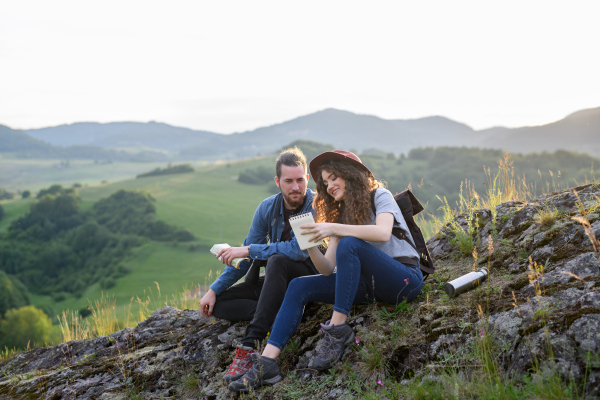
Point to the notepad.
(296, 222)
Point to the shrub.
(258, 176)
(26, 194)
(13, 293)
(25, 325)
(171, 169)
(56, 190)
(6, 195)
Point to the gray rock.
(583, 266)
(586, 333)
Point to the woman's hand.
(319, 231)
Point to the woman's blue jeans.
(364, 274)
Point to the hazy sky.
(228, 66)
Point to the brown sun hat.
(337, 155)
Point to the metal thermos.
(466, 282)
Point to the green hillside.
(211, 203)
(216, 207)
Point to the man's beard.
(288, 199)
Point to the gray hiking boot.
(264, 372)
(335, 340)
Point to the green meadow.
(210, 202)
(34, 174)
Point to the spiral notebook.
(296, 222)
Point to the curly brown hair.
(354, 209)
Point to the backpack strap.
(398, 232)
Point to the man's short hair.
(291, 157)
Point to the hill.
(151, 135)
(22, 145)
(579, 131)
(206, 202)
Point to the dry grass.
(103, 321)
(547, 216)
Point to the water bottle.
(465, 282)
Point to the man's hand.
(207, 303)
(230, 253)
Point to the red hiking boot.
(240, 365)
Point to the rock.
(546, 328)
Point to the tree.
(25, 325)
(26, 194)
(13, 293)
(1, 212)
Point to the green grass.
(211, 203)
(34, 174)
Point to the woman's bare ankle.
(271, 351)
(338, 318)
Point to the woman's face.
(336, 186)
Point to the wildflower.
(357, 339)
(481, 333)
(358, 364)
(380, 383)
(406, 280)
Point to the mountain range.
(578, 132)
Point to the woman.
(365, 252)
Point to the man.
(270, 238)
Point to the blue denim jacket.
(268, 223)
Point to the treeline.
(433, 172)
(440, 171)
(263, 175)
(170, 169)
(56, 249)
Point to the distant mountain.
(579, 132)
(12, 140)
(350, 131)
(150, 135)
(23, 145)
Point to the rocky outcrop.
(540, 310)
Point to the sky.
(231, 66)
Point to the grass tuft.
(547, 216)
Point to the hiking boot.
(335, 340)
(264, 372)
(240, 365)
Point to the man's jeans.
(260, 303)
(364, 274)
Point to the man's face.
(292, 184)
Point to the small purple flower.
(481, 333)
(380, 383)
(406, 280)
(357, 339)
